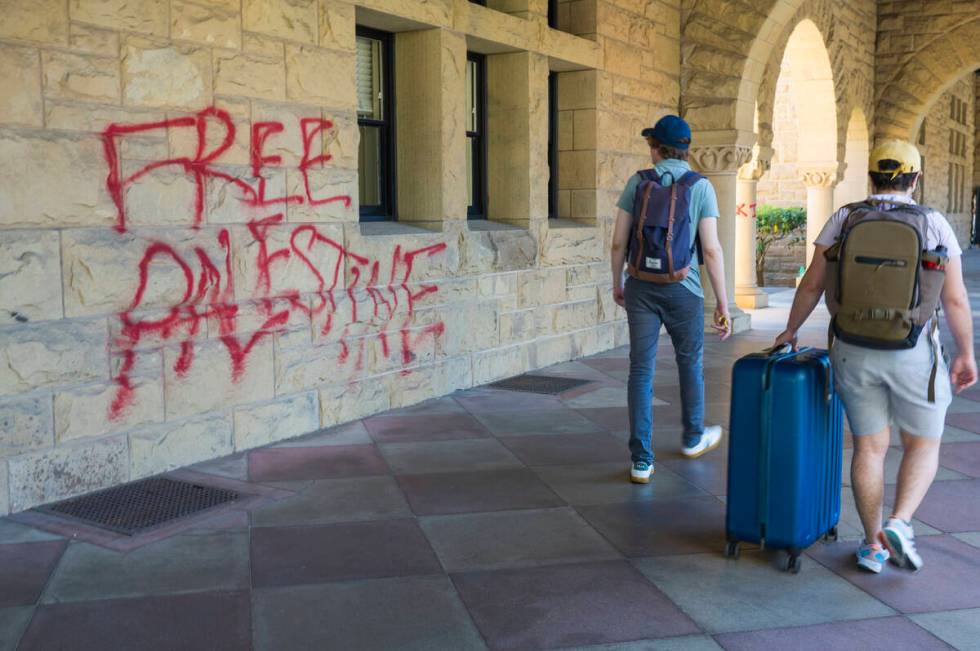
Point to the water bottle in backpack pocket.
(661, 249)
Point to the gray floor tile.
(604, 397)
(348, 434)
(682, 643)
(555, 450)
(514, 539)
(234, 467)
(14, 532)
(340, 552)
(669, 526)
(722, 595)
(527, 423)
(337, 500)
(475, 492)
(180, 564)
(850, 527)
(448, 456)
(958, 628)
(422, 613)
(888, 632)
(13, 623)
(424, 427)
(970, 537)
(956, 435)
(568, 605)
(606, 483)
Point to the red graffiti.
(201, 167)
(745, 210)
(331, 277)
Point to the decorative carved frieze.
(718, 159)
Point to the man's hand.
(963, 375)
(723, 322)
(786, 337)
(619, 297)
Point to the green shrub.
(774, 224)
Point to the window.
(375, 121)
(553, 14)
(476, 142)
(553, 145)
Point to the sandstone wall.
(183, 271)
(949, 143)
(781, 185)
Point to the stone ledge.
(389, 228)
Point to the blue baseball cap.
(670, 130)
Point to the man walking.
(887, 363)
(664, 213)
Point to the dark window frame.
(552, 145)
(553, 14)
(387, 209)
(478, 210)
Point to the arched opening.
(854, 186)
(804, 143)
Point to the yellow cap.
(902, 151)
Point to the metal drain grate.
(133, 508)
(546, 384)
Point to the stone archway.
(906, 91)
(854, 184)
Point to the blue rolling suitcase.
(785, 452)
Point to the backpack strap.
(649, 175)
(689, 178)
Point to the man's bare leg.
(918, 469)
(868, 480)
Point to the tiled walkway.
(502, 520)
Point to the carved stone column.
(819, 181)
(720, 164)
(747, 292)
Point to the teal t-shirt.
(704, 204)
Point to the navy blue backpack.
(660, 248)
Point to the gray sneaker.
(899, 538)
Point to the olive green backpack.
(878, 291)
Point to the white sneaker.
(898, 536)
(640, 472)
(710, 439)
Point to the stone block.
(585, 129)
(337, 25)
(91, 40)
(52, 354)
(499, 251)
(566, 130)
(437, 13)
(294, 20)
(575, 316)
(211, 25)
(32, 164)
(142, 16)
(80, 77)
(540, 287)
(213, 381)
(577, 90)
(336, 187)
(324, 77)
(20, 74)
(577, 169)
(572, 245)
(249, 75)
(491, 365)
(300, 369)
(40, 21)
(183, 142)
(584, 205)
(62, 472)
(165, 447)
(26, 425)
(276, 421)
(171, 76)
(344, 402)
(469, 327)
(30, 276)
(87, 412)
(101, 268)
(550, 350)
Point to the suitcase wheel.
(832, 535)
(732, 550)
(793, 563)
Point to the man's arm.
(956, 304)
(807, 296)
(621, 237)
(714, 262)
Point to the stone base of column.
(741, 321)
(751, 298)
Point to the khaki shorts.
(891, 387)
